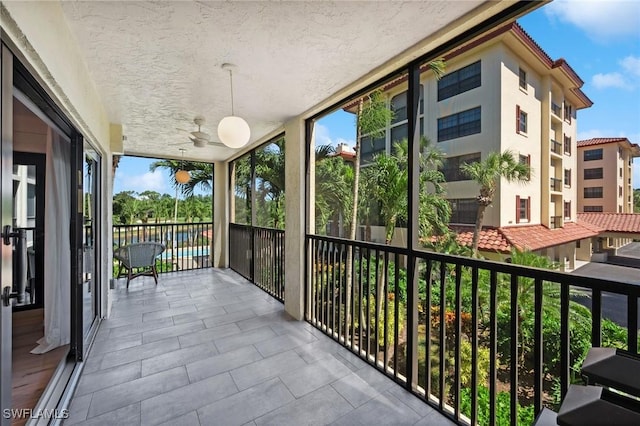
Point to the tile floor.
(208, 347)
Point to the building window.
(370, 147)
(567, 112)
(451, 166)
(620, 171)
(592, 209)
(399, 106)
(523, 211)
(619, 209)
(567, 177)
(463, 210)
(526, 159)
(592, 154)
(567, 145)
(460, 81)
(567, 209)
(619, 191)
(457, 125)
(521, 120)
(522, 74)
(595, 173)
(593, 192)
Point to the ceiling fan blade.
(200, 135)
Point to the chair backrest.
(142, 254)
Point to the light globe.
(234, 132)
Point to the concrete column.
(295, 208)
(221, 197)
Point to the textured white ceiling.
(157, 65)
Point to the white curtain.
(57, 248)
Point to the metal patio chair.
(138, 256)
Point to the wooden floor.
(31, 373)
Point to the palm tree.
(201, 174)
(487, 174)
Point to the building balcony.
(555, 222)
(556, 147)
(556, 110)
(556, 185)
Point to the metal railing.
(258, 255)
(188, 245)
(556, 184)
(556, 147)
(471, 338)
(555, 222)
(556, 109)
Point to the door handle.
(7, 295)
(6, 234)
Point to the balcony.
(209, 347)
(556, 185)
(556, 110)
(555, 222)
(556, 147)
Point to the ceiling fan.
(199, 138)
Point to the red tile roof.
(491, 239)
(600, 141)
(529, 237)
(635, 149)
(613, 222)
(537, 237)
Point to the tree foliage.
(487, 174)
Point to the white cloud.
(628, 78)
(631, 65)
(600, 19)
(149, 181)
(321, 134)
(612, 79)
(323, 137)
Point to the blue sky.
(599, 39)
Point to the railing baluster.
(340, 289)
(443, 334)
(493, 346)
(537, 347)
(458, 332)
(632, 324)
(515, 320)
(377, 308)
(596, 316)
(360, 316)
(396, 308)
(368, 298)
(333, 292)
(386, 311)
(352, 296)
(564, 339)
(474, 346)
(427, 310)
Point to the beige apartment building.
(605, 191)
(503, 92)
(605, 175)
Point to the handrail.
(188, 245)
(257, 253)
(369, 315)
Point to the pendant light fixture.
(182, 176)
(233, 131)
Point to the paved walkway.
(207, 347)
